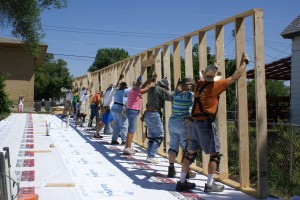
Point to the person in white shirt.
(83, 96)
(68, 103)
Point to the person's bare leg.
(129, 140)
(172, 157)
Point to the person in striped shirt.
(182, 102)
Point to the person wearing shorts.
(182, 102)
(134, 106)
(203, 133)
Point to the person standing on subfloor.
(68, 104)
(20, 104)
(203, 133)
(95, 109)
(133, 110)
(157, 95)
(118, 111)
(106, 114)
(182, 101)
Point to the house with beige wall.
(19, 66)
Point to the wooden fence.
(159, 59)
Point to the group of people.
(75, 105)
(191, 124)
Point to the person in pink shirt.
(134, 106)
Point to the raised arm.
(120, 78)
(238, 73)
(146, 85)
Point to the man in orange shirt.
(203, 133)
(95, 109)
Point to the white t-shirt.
(108, 99)
(83, 96)
(69, 96)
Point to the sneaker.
(97, 136)
(190, 174)
(128, 151)
(171, 172)
(214, 188)
(114, 142)
(185, 186)
(152, 160)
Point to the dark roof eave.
(291, 35)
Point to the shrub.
(5, 102)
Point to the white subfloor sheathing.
(82, 167)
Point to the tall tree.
(5, 102)
(50, 78)
(107, 57)
(24, 19)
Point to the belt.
(153, 110)
(133, 109)
(197, 120)
(119, 104)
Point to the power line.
(99, 33)
(110, 30)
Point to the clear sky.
(76, 33)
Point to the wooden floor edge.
(40, 151)
(60, 185)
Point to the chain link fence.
(283, 157)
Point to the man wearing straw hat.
(203, 133)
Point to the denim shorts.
(201, 136)
(132, 116)
(178, 132)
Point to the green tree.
(24, 19)
(5, 102)
(50, 78)
(210, 60)
(107, 57)
(274, 88)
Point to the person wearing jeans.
(134, 107)
(157, 95)
(118, 112)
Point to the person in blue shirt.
(118, 111)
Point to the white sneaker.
(152, 160)
(128, 151)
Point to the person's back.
(209, 97)
(108, 98)
(181, 104)
(157, 97)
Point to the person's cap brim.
(211, 79)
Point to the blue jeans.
(94, 113)
(178, 132)
(155, 132)
(107, 129)
(132, 116)
(121, 123)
